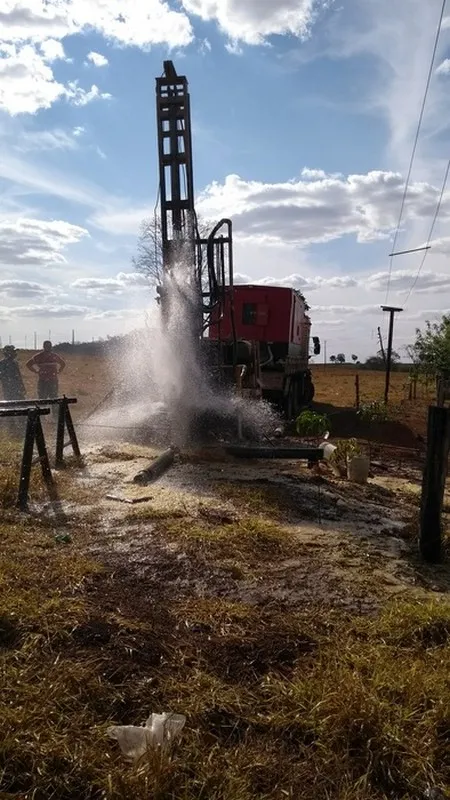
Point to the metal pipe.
(255, 451)
(160, 464)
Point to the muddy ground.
(315, 539)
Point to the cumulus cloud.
(31, 35)
(81, 97)
(329, 323)
(253, 21)
(52, 50)
(17, 288)
(444, 67)
(116, 313)
(304, 211)
(128, 22)
(360, 310)
(97, 59)
(125, 281)
(36, 242)
(49, 311)
(401, 280)
(300, 282)
(27, 82)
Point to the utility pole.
(325, 353)
(73, 337)
(392, 311)
(380, 338)
(35, 340)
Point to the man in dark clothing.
(10, 376)
(47, 365)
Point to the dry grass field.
(285, 613)
(90, 378)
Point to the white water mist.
(162, 382)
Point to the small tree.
(149, 256)
(395, 357)
(377, 362)
(340, 358)
(354, 358)
(431, 350)
(333, 359)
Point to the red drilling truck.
(276, 318)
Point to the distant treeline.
(101, 347)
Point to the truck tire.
(293, 401)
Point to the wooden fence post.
(433, 485)
(357, 398)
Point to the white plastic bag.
(158, 733)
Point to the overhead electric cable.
(416, 139)
(430, 234)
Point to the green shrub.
(309, 423)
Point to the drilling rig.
(252, 338)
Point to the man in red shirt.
(47, 365)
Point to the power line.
(416, 139)
(436, 214)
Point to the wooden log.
(433, 484)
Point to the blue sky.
(304, 114)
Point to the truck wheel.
(309, 389)
(289, 402)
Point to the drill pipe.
(157, 467)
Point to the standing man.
(47, 365)
(10, 377)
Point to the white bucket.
(358, 469)
(328, 450)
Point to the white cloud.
(401, 280)
(361, 310)
(253, 21)
(234, 48)
(122, 221)
(128, 22)
(27, 177)
(304, 284)
(81, 97)
(52, 50)
(444, 67)
(97, 59)
(36, 242)
(47, 311)
(56, 139)
(306, 211)
(205, 46)
(17, 288)
(27, 82)
(136, 314)
(329, 323)
(125, 281)
(439, 246)
(400, 37)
